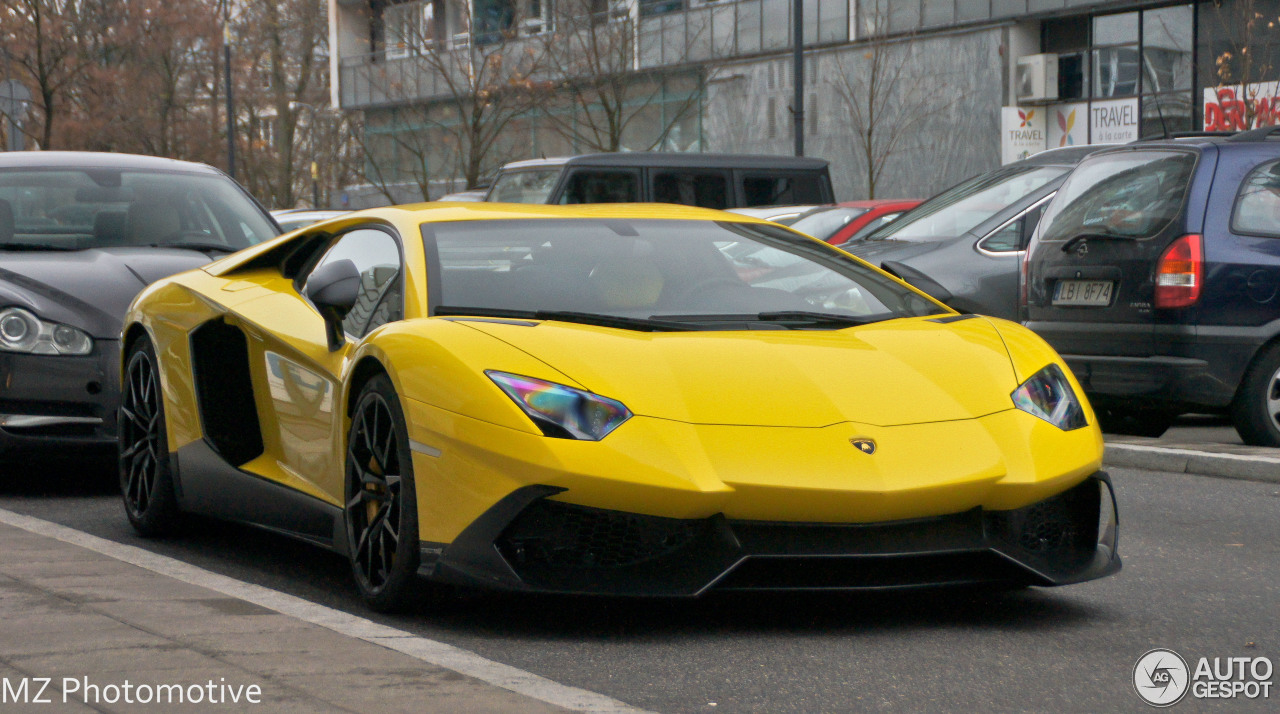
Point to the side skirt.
(208, 485)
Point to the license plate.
(1093, 293)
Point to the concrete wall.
(959, 80)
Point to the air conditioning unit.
(461, 41)
(1037, 79)
(532, 25)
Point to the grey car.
(965, 245)
(80, 235)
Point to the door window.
(782, 190)
(376, 255)
(691, 189)
(602, 187)
(1257, 209)
(1014, 235)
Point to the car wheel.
(381, 504)
(146, 474)
(1256, 409)
(1134, 422)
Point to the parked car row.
(1153, 267)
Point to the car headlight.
(21, 331)
(560, 411)
(1048, 395)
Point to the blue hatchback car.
(1155, 271)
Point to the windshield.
(654, 269)
(959, 210)
(822, 223)
(1132, 194)
(78, 209)
(525, 186)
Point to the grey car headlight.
(21, 331)
(1048, 395)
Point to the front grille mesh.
(564, 536)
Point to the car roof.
(98, 160)
(673, 159)
(1062, 156)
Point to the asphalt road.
(1201, 576)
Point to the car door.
(298, 376)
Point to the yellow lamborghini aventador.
(611, 399)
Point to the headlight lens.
(21, 331)
(1048, 395)
(560, 411)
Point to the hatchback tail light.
(1180, 273)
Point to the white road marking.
(430, 651)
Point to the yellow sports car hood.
(906, 371)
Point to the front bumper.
(529, 543)
(51, 403)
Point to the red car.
(836, 223)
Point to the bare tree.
(41, 44)
(885, 95)
(593, 54)
(280, 42)
(481, 80)
(1252, 39)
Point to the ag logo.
(1161, 678)
(866, 446)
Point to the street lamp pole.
(231, 106)
(797, 106)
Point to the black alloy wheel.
(381, 507)
(1256, 409)
(146, 478)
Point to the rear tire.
(1256, 408)
(381, 500)
(1134, 422)
(146, 472)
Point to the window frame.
(317, 259)
(1235, 201)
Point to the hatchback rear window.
(1257, 210)
(1130, 194)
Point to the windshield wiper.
(586, 318)
(1066, 247)
(799, 316)
(38, 246)
(822, 318)
(220, 247)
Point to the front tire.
(1256, 409)
(381, 501)
(146, 472)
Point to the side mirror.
(334, 288)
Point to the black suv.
(1156, 273)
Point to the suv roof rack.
(1260, 134)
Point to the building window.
(771, 118)
(813, 114)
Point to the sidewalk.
(69, 612)
(1204, 446)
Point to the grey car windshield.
(1132, 194)
(654, 268)
(529, 186)
(78, 209)
(961, 208)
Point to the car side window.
(602, 187)
(1014, 235)
(1257, 209)
(691, 189)
(782, 190)
(376, 255)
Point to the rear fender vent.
(224, 390)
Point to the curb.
(1190, 461)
